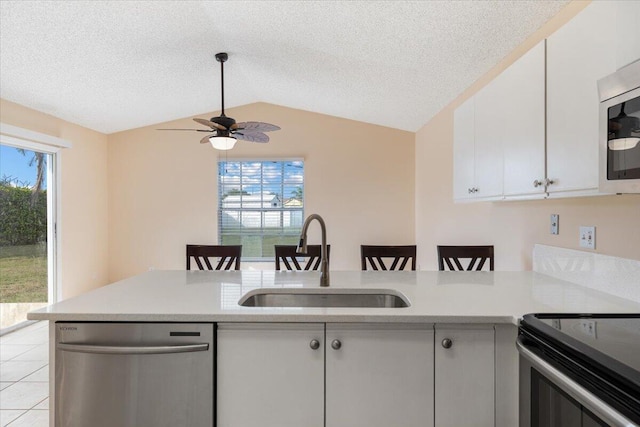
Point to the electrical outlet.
(554, 223)
(588, 327)
(588, 237)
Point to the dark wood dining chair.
(202, 254)
(398, 255)
(477, 256)
(288, 259)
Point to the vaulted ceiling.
(118, 65)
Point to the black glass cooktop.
(618, 338)
(601, 351)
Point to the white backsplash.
(615, 276)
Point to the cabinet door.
(464, 377)
(578, 54)
(628, 32)
(522, 129)
(489, 106)
(268, 375)
(382, 375)
(463, 150)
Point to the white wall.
(162, 186)
(83, 220)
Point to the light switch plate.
(554, 223)
(587, 237)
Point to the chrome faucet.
(302, 247)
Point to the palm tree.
(297, 193)
(40, 161)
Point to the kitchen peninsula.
(449, 354)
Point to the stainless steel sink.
(316, 297)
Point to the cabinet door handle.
(469, 190)
(447, 343)
(314, 344)
(336, 344)
(548, 182)
(537, 183)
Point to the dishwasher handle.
(109, 349)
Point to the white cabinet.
(268, 374)
(521, 131)
(381, 375)
(499, 134)
(488, 147)
(477, 154)
(627, 32)
(464, 376)
(464, 150)
(578, 55)
(271, 375)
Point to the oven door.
(549, 398)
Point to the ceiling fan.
(224, 130)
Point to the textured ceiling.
(117, 65)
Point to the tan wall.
(163, 194)
(83, 224)
(512, 227)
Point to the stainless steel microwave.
(619, 139)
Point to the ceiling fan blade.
(193, 130)
(257, 126)
(251, 136)
(209, 123)
(205, 140)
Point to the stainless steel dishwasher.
(134, 374)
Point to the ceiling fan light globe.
(222, 142)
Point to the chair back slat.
(202, 254)
(374, 255)
(478, 256)
(287, 256)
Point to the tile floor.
(24, 377)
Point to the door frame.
(35, 141)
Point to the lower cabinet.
(356, 374)
(379, 375)
(280, 374)
(464, 376)
(269, 374)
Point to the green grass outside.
(23, 273)
(259, 246)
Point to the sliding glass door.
(27, 232)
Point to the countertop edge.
(273, 318)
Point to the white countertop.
(435, 297)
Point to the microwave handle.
(108, 349)
(594, 404)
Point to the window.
(260, 204)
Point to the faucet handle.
(302, 246)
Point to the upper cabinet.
(521, 131)
(498, 134)
(627, 33)
(533, 131)
(578, 55)
(477, 157)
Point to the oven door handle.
(586, 398)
